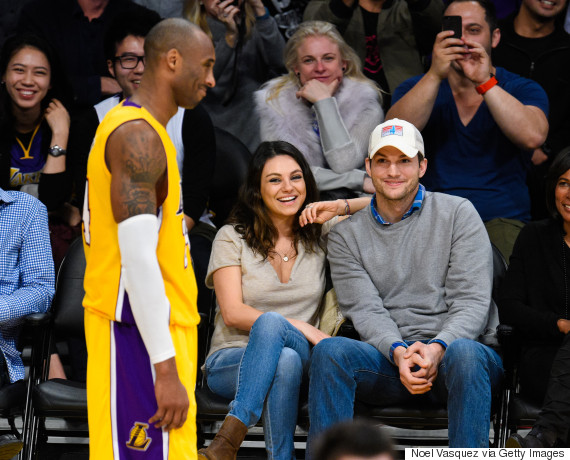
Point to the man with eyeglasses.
(124, 39)
(129, 69)
(75, 30)
(191, 131)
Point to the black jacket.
(550, 68)
(532, 294)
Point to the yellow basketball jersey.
(104, 288)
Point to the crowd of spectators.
(488, 110)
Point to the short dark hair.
(136, 20)
(171, 33)
(356, 438)
(490, 11)
(559, 166)
(249, 215)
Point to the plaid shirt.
(416, 205)
(26, 270)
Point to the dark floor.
(69, 452)
(61, 447)
(253, 447)
(77, 449)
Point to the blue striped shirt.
(27, 275)
(416, 205)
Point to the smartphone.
(453, 23)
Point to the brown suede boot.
(227, 441)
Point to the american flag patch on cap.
(392, 130)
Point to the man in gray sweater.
(413, 272)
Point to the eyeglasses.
(129, 61)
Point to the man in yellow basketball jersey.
(140, 289)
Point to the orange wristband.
(483, 88)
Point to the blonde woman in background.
(249, 50)
(325, 107)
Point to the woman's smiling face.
(283, 189)
(27, 78)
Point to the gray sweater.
(428, 276)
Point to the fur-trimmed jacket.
(332, 133)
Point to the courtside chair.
(519, 411)
(232, 159)
(431, 416)
(15, 398)
(57, 397)
(12, 401)
(213, 408)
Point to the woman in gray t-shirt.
(268, 274)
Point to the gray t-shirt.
(299, 298)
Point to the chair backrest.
(499, 270)
(232, 159)
(67, 305)
(205, 333)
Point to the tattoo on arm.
(138, 162)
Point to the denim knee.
(461, 348)
(289, 368)
(269, 322)
(462, 354)
(469, 357)
(270, 318)
(328, 352)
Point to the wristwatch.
(56, 151)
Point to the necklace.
(287, 256)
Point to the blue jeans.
(342, 369)
(264, 379)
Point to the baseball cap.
(397, 133)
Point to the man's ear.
(173, 58)
(111, 68)
(367, 163)
(423, 167)
(495, 37)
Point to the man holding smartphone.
(480, 122)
